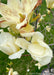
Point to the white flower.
(50, 3)
(12, 73)
(17, 12)
(38, 49)
(8, 46)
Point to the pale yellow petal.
(8, 14)
(39, 65)
(27, 34)
(7, 43)
(24, 22)
(15, 5)
(1, 19)
(22, 43)
(48, 11)
(27, 29)
(40, 53)
(38, 26)
(15, 73)
(10, 71)
(48, 28)
(17, 54)
(4, 23)
(50, 3)
(45, 60)
(36, 49)
(28, 5)
(37, 36)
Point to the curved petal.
(15, 5)
(7, 43)
(27, 34)
(28, 5)
(15, 73)
(40, 53)
(50, 3)
(8, 14)
(34, 35)
(4, 23)
(22, 43)
(10, 71)
(17, 54)
(18, 26)
(27, 29)
(45, 60)
(37, 36)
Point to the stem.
(35, 24)
(26, 55)
(51, 44)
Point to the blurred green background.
(21, 65)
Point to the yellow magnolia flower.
(50, 3)
(38, 49)
(16, 12)
(8, 46)
(12, 73)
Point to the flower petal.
(22, 43)
(10, 71)
(17, 54)
(48, 28)
(27, 34)
(28, 5)
(15, 5)
(45, 60)
(40, 53)
(18, 26)
(8, 14)
(15, 73)
(7, 43)
(28, 29)
(50, 3)
(4, 23)
(37, 36)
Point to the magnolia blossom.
(8, 46)
(50, 3)
(17, 12)
(12, 73)
(38, 49)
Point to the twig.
(26, 55)
(35, 24)
(51, 44)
